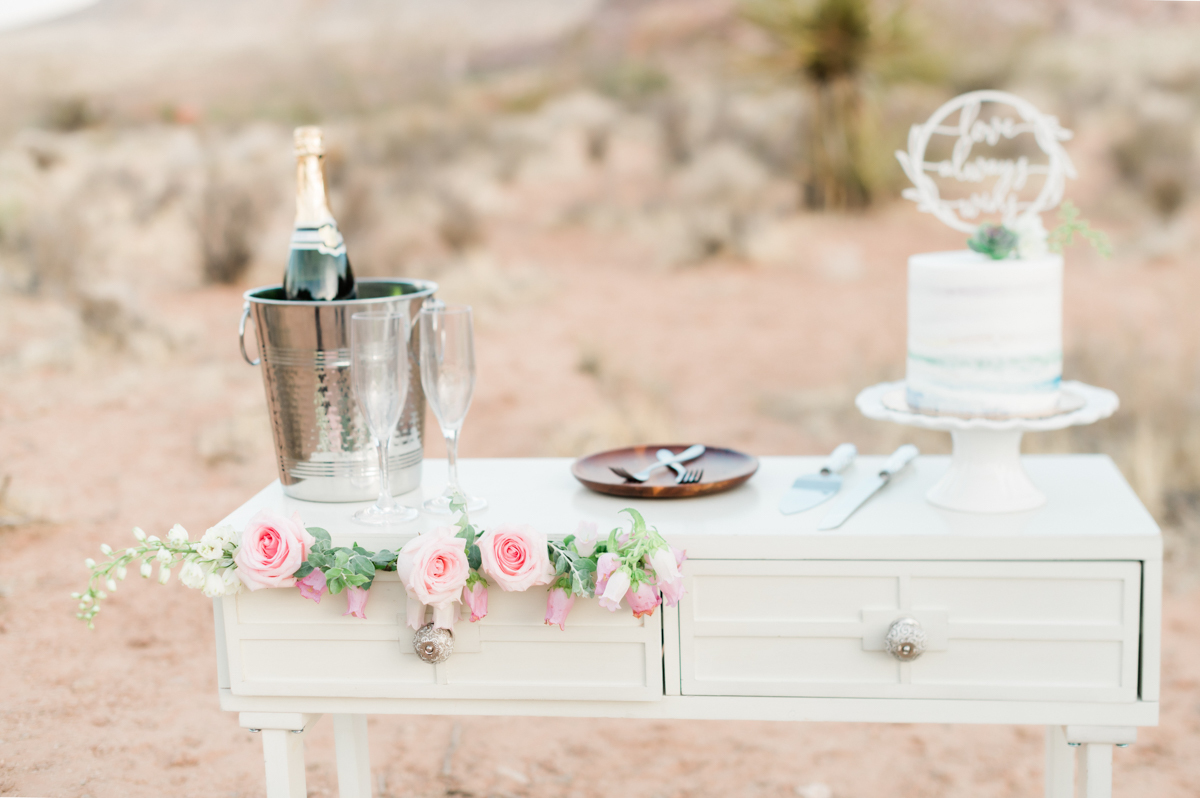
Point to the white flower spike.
(105, 549)
(138, 533)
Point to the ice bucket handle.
(242, 336)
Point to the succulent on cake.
(994, 240)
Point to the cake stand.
(986, 475)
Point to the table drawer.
(281, 644)
(1034, 631)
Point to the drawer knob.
(433, 645)
(906, 640)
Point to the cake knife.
(811, 489)
(858, 496)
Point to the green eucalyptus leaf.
(320, 534)
(474, 558)
(304, 570)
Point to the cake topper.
(1020, 231)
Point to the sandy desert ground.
(619, 299)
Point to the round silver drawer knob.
(906, 640)
(433, 645)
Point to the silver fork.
(682, 475)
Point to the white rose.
(177, 535)
(1031, 235)
(193, 575)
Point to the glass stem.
(385, 501)
(451, 436)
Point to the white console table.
(1048, 617)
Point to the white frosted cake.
(984, 335)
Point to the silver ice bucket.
(322, 446)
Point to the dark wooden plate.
(723, 469)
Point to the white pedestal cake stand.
(986, 475)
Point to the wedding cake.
(984, 335)
(985, 324)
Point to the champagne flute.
(448, 377)
(379, 366)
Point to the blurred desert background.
(675, 220)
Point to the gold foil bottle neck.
(308, 141)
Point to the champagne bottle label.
(326, 239)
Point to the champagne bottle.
(317, 266)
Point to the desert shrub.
(1155, 158)
(226, 223)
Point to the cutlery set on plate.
(728, 469)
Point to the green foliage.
(1070, 223)
(994, 240)
(458, 504)
(344, 567)
(573, 572)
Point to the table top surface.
(1089, 503)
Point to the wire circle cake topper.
(1009, 175)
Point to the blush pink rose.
(476, 599)
(356, 602)
(643, 601)
(271, 550)
(313, 586)
(433, 568)
(515, 558)
(558, 604)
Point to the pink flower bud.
(476, 599)
(313, 586)
(558, 604)
(356, 602)
(644, 600)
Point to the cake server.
(811, 489)
(859, 494)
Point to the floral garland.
(442, 570)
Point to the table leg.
(353, 759)
(1093, 757)
(1060, 765)
(1094, 765)
(283, 752)
(283, 749)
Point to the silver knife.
(857, 497)
(811, 489)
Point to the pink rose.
(606, 564)
(356, 602)
(313, 585)
(643, 601)
(558, 604)
(271, 550)
(434, 570)
(515, 557)
(476, 597)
